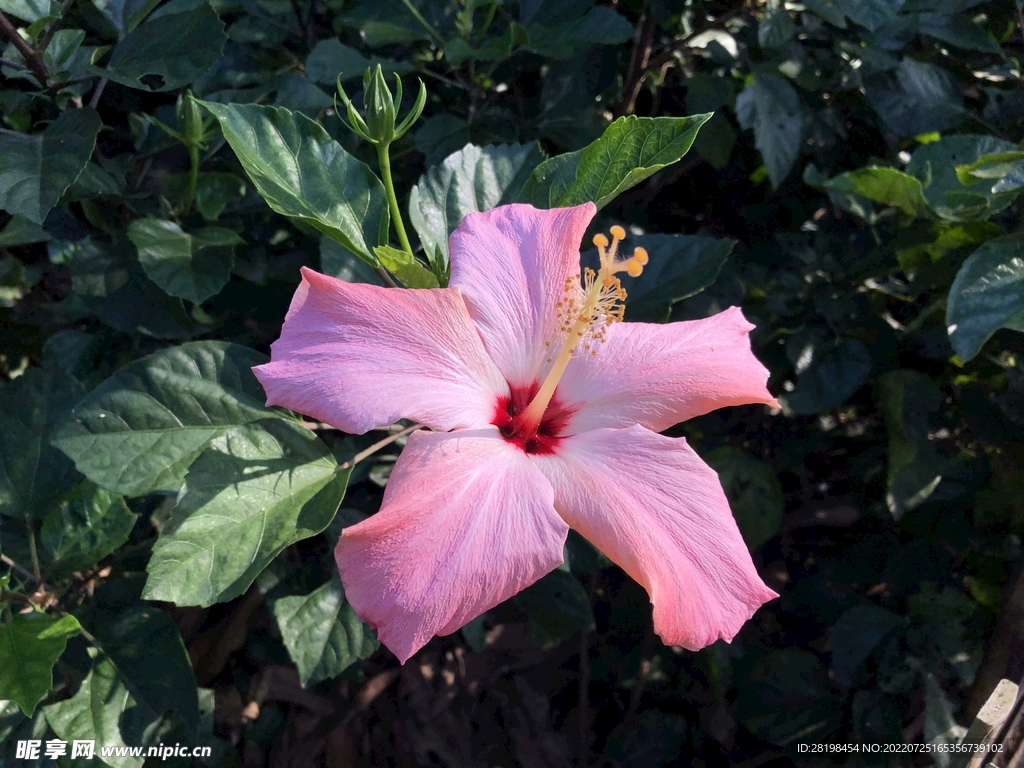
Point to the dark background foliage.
(883, 502)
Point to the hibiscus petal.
(650, 504)
(359, 356)
(660, 375)
(511, 263)
(467, 522)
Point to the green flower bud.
(378, 126)
(380, 106)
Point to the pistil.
(585, 320)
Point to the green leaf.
(771, 107)
(855, 636)
(915, 468)
(557, 606)
(30, 644)
(33, 475)
(680, 266)
(108, 710)
(630, 150)
(191, 267)
(303, 173)
(991, 166)
(884, 185)
(322, 633)
(125, 15)
(787, 698)
(176, 45)
(90, 524)
(255, 490)
(38, 169)
(472, 179)
(987, 294)
(947, 196)
(754, 493)
(405, 267)
(139, 431)
(330, 60)
(830, 379)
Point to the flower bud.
(380, 106)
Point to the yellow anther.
(634, 268)
(600, 240)
(640, 255)
(618, 232)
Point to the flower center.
(586, 312)
(547, 434)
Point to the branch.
(33, 58)
(641, 63)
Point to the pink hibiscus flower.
(545, 414)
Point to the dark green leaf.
(125, 15)
(472, 179)
(175, 46)
(107, 710)
(140, 430)
(337, 261)
(987, 294)
(33, 475)
(30, 644)
(557, 606)
(957, 30)
(754, 493)
(89, 525)
(775, 29)
(322, 633)
(870, 14)
(830, 379)
(20, 231)
(855, 636)
(680, 266)
(255, 490)
(787, 698)
(916, 98)
(947, 196)
(303, 173)
(144, 644)
(915, 469)
(772, 108)
(29, 10)
(330, 60)
(38, 169)
(193, 267)
(630, 150)
(600, 26)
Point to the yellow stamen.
(586, 312)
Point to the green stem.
(193, 177)
(36, 572)
(384, 160)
